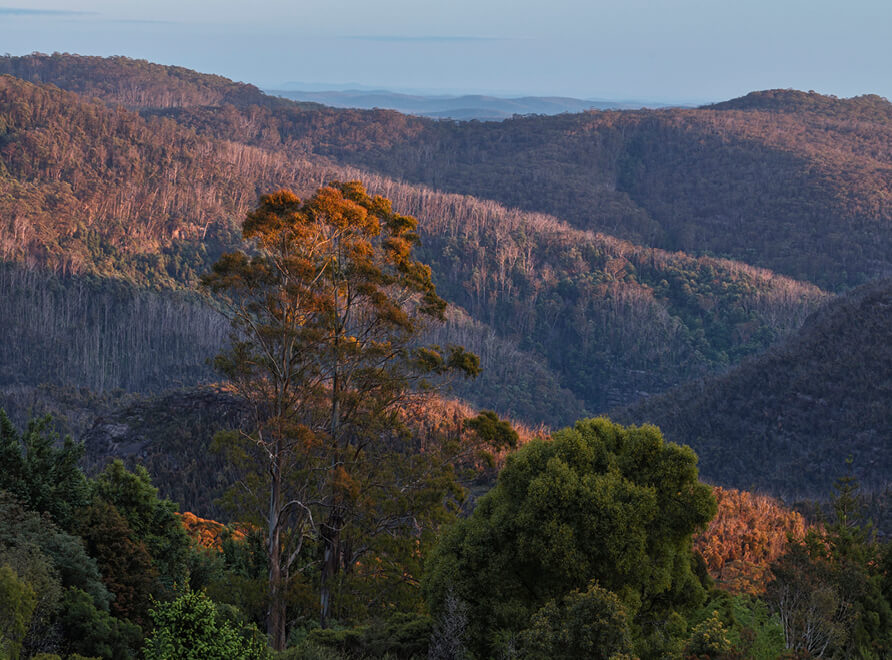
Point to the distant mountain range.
(463, 107)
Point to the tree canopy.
(598, 502)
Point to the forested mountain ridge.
(97, 190)
(801, 194)
(867, 107)
(809, 403)
(132, 83)
(801, 191)
(89, 189)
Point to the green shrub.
(17, 603)
(584, 624)
(191, 628)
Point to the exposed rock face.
(171, 436)
(133, 431)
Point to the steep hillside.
(615, 320)
(795, 182)
(88, 189)
(74, 345)
(103, 335)
(592, 321)
(171, 436)
(805, 194)
(786, 421)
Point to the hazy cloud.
(17, 11)
(142, 21)
(423, 39)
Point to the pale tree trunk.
(329, 567)
(275, 621)
(331, 562)
(330, 532)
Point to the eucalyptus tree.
(327, 311)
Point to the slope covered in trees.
(803, 194)
(132, 83)
(103, 335)
(171, 435)
(106, 192)
(791, 181)
(748, 532)
(786, 421)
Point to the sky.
(653, 50)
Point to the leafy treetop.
(598, 502)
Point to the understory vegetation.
(583, 548)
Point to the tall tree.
(125, 563)
(151, 519)
(326, 313)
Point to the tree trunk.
(330, 532)
(324, 588)
(275, 620)
(330, 563)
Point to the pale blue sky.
(670, 50)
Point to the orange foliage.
(431, 417)
(207, 533)
(747, 534)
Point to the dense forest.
(718, 272)
(809, 403)
(801, 171)
(96, 566)
(107, 193)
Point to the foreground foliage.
(583, 549)
(191, 628)
(598, 502)
(590, 624)
(92, 552)
(831, 590)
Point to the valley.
(718, 279)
